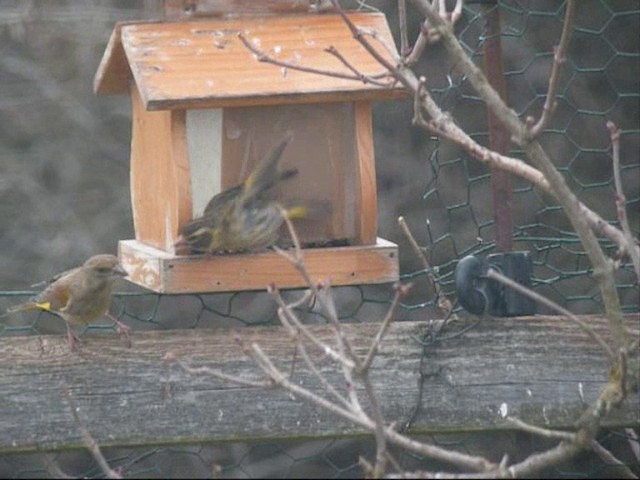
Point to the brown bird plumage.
(243, 218)
(81, 295)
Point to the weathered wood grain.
(535, 367)
(178, 65)
(163, 272)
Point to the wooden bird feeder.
(205, 110)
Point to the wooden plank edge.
(366, 172)
(163, 272)
(138, 378)
(271, 98)
(114, 73)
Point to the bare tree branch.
(263, 57)
(438, 25)
(323, 347)
(559, 58)
(422, 42)
(170, 358)
(462, 460)
(630, 247)
(402, 20)
(359, 35)
(401, 291)
(541, 432)
(603, 267)
(443, 303)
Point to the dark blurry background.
(64, 185)
(64, 191)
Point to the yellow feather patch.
(297, 213)
(44, 306)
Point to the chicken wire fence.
(450, 211)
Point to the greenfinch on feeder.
(242, 218)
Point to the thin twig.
(323, 295)
(428, 36)
(346, 359)
(412, 241)
(323, 380)
(541, 432)
(274, 374)
(263, 57)
(378, 420)
(322, 346)
(442, 301)
(402, 20)
(320, 291)
(462, 460)
(588, 425)
(344, 346)
(419, 96)
(603, 267)
(443, 125)
(559, 59)
(536, 462)
(629, 248)
(285, 314)
(457, 12)
(326, 300)
(401, 291)
(363, 78)
(87, 439)
(422, 42)
(344, 356)
(307, 298)
(358, 35)
(494, 275)
(296, 258)
(170, 358)
(389, 48)
(349, 362)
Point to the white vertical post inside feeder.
(204, 142)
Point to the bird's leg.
(121, 328)
(74, 341)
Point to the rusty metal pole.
(498, 135)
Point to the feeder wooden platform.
(163, 272)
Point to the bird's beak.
(119, 271)
(182, 247)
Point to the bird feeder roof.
(204, 64)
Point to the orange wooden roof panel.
(204, 64)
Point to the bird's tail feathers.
(24, 307)
(265, 174)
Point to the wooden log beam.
(540, 369)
